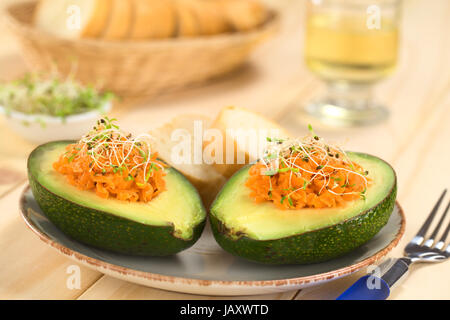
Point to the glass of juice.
(351, 45)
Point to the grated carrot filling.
(306, 174)
(113, 165)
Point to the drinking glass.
(351, 45)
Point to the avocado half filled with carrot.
(305, 201)
(110, 190)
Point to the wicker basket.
(134, 69)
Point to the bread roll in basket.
(117, 48)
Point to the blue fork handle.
(371, 287)
(361, 290)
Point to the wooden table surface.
(415, 140)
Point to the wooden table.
(415, 140)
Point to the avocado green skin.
(106, 231)
(313, 246)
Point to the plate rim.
(297, 281)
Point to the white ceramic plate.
(205, 268)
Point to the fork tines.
(419, 238)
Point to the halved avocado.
(169, 223)
(263, 233)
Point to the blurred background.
(328, 62)
(295, 67)
(371, 75)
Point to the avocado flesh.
(177, 212)
(254, 231)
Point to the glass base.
(332, 114)
(347, 104)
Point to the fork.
(419, 249)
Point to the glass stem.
(347, 104)
(351, 96)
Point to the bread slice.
(119, 23)
(154, 19)
(244, 136)
(209, 17)
(187, 22)
(57, 17)
(244, 15)
(167, 137)
(99, 20)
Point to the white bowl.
(43, 128)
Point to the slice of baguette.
(55, 17)
(187, 22)
(154, 19)
(244, 15)
(207, 181)
(119, 23)
(244, 135)
(99, 20)
(209, 17)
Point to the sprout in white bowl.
(45, 109)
